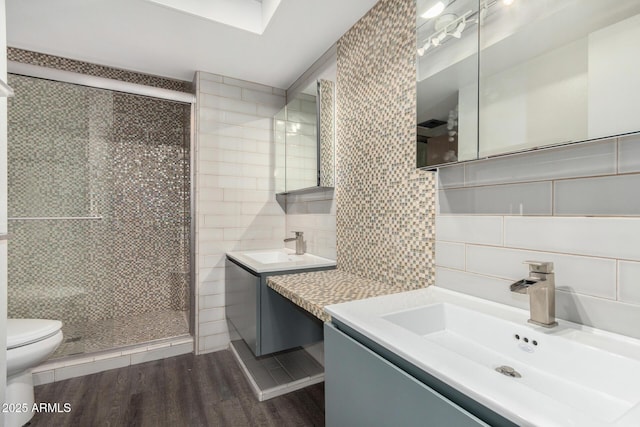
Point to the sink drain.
(508, 371)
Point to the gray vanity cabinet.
(266, 321)
(364, 389)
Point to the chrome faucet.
(541, 287)
(299, 242)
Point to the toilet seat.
(21, 332)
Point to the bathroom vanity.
(434, 357)
(385, 393)
(267, 321)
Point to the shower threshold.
(98, 336)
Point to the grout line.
(617, 156)
(508, 279)
(553, 197)
(517, 248)
(617, 280)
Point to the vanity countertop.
(315, 290)
(283, 259)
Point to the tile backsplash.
(314, 213)
(572, 205)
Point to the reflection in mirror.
(305, 139)
(557, 71)
(279, 126)
(301, 140)
(447, 74)
(551, 72)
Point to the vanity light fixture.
(424, 48)
(434, 10)
(453, 26)
(457, 33)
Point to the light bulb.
(459, 29)
(508, 2)
(482, 15)
(420, 51)
(434, 10)
(435, 41)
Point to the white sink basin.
(273, 257)
(269, 260)
(570, 375)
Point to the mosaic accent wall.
(59, 63)
(385, 206)
(120, 162)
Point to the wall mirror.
(550, 72)
(447, 86)
(304, 136)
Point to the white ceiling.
(142, 36)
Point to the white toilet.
(29, 343)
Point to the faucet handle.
(540, 266)
(298, 233)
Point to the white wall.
(236, 207)
(575, 206)
(3, 208)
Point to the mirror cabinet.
(503, 76)
(304, 136)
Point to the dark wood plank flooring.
(188, 390)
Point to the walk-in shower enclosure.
(99, 213)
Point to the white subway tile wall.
(315, 215)
(629, 154)
(235, 202)
(579, 160)
(578, 209)
(629, 282)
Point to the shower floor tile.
(90, 337)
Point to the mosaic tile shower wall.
(385, 207)
(121, 163)
(66, 64)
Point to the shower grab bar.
(48, 218)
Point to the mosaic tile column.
(385, 206)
